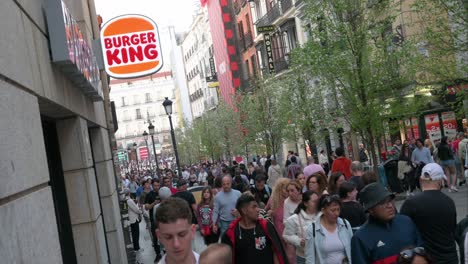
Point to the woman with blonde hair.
(275, 208)
(275, 205)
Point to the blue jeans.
(223, 226)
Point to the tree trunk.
(375, 160)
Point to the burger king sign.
(131, 47)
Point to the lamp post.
(168, 108)
(151, 131)
(136, 156)
(145, 136)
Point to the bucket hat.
(373, 194)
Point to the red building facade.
(223, 32)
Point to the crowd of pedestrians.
(332, 212)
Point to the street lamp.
(151, 131)
(136, 156)
(145, 136)
(168, 108)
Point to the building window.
(136, 99)
(254, 65)
(148, 98)
(138, 114)
(125, 116)
(247, 69)
(123, 101)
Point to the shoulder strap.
(313, 229)
(300, 224)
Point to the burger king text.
(137, 47)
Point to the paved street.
(146, 255)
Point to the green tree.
(363, 69)
(443, 38)
(263, 114)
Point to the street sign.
(212, 67)
(213, 84)
(264, 29)
(122, 156)
(269, 51)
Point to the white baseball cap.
(433, 172)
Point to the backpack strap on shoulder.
(313, 229)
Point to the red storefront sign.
(450, 124)
(415, 124)
(433, 128)
(143, 151)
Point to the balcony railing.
(281, 64)
(286, 5)
(271, 16)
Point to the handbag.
(206, 230)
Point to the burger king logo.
(131, 47)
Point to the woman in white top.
(134, 213)
(294, 199)
(328, 239)
(274, 173)
(295, 225)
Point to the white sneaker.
(454, 188)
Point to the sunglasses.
(328, 199)
(409, 253)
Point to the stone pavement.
(146, 255)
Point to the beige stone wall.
(32, 88)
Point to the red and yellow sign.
(450, 124)
(131, 47)
(433, 128)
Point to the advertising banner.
(450, 124)
(433, 128)
(408, 129)
(415, 125)
(143, 151)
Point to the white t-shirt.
(332, 248)
(202, 176)
(195, 254)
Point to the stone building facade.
(58, 196)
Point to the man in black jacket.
(435, 215)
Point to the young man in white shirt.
(176, 232)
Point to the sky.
(177, 13)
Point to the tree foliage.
(364, 71)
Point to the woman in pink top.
(275, 208)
